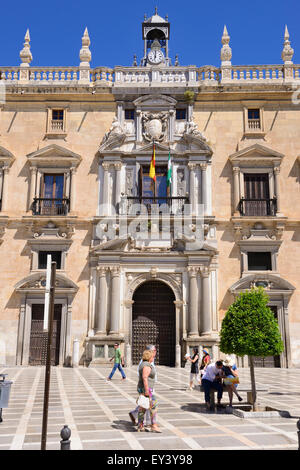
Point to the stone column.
(5, 171)
(128, 341)
(100, 323)
(72, 189)
(203, 167)
(115, 300)
(206, 302)
(192, 168)
(118, 167)
(105, 188)
(139, 137)
(276, 181)
(32, 193)
(178, 305)
(193, 304)
(236, 190)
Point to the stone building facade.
(75, 150)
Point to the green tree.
(249, 328)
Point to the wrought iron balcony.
(258, 207)
(46, 206)
(173, 205)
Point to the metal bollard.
(298, 426)
(65, 433)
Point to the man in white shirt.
(210, 380)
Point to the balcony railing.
(45, 206)
(136, 205)
(258, 207)
(254, 123)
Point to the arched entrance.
(154, 322)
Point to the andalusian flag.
(152, 165)
(169, 174)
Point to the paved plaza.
(97, 412)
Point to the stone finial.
(25, 53)
(288, 51)
(226, 53)
(85, 55)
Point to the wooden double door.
(38, 338)
(154, 322)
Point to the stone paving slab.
(97, 412)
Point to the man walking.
(118, 360)
(212, 379)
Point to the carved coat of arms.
(154, 126)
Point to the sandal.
(141, 429)
(155, 429)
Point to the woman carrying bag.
(147, 399)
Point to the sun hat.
(228, 361)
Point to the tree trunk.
(253, 385)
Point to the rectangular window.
(129, 114)
(57, 121)
(53, 186)
(257, 196)
(55, 256)
(52, 201)
(259, 261)
(180, 114)
(150, 188)
(254, 119)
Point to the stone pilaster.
(115, 301)
(193, 303)
(236, 189)
(100, 321)
(206, 323)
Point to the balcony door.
(257, 194)
(150, 191)
(52, 200)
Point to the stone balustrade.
(154, 76)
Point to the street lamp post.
(48, 357)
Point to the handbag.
(144, 402)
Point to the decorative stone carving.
(154, 126)
(115, 136)
(288, 51)
(51, 231)
(192, 128)
(85, 55)
(226, 53)
(25, 54)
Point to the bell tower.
(156, 33)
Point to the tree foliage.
(249, 327)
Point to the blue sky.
(256, 30)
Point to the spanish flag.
(152, 165)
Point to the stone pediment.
(155, 101)
(36, 282)
(54, 155)
(6, 157)
(271, 282)
(194, 143)
(256, 154)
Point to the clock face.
(155, 56)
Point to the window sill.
(56, 135)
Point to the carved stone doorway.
(154, 322)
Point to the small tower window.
(129, 114)
(254, 119)
(180, 114)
